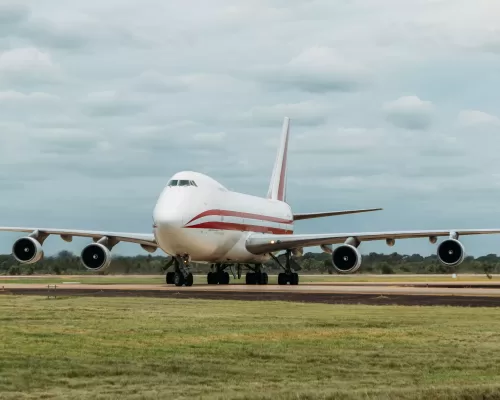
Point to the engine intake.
(451, 252)
(346, 259)
(96, 257)
(27, 250)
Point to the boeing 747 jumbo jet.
(196, 219)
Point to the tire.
(250, 278)
(178, 279)
(281, 279)
(294, 279)
(169, 278)
(212, 278)
(224, 278)
(264, 278)
(189, 280)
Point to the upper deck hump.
(201, 180)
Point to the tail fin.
(277, 186)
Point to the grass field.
(273, 279)
(125, 348)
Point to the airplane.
(197, 219)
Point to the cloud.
(154, 82)
(317, 69)
(110, 103)
(12, 14)
(304, 113)
(409, 112)
(28, 65)
(472, 118)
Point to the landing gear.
(170, 277)
(257, 277)
(182, 276)
(289, 276)
(218, 276)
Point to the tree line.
(311, 263)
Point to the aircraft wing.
(298, 217)
(146, 239)
(267, 243)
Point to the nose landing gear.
(182, 275)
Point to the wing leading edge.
(143, 239)
(302, 216)
(267, 243)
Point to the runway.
(469, 294)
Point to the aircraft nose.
(168, 219)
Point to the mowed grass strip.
(126, 348)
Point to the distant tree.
(14, 270)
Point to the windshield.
(182, 182)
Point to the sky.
(392, 104)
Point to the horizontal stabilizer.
(298, 217)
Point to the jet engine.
(27, 250)
(346, 259)
(96, 257)
(451, 252)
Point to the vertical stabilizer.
(277, 186)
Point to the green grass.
(126, 348)
(201, 279)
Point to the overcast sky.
(394, 104)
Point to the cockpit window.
(182, 182)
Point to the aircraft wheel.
(294, 279)
(170, 277)
(189, 280)
(178, 279)
(212, 278)
(224, 278)
(282, 279)
(264, 278)
(250, 278)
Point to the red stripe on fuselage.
(228, 213)
(230, 226)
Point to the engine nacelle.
(27, 250)
(451, 252)
(96, 257)
(298, 252)
(346, 259)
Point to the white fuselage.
(210, 223)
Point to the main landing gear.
(257, 276)
(218, 275)
(289, 276)
(181, 276)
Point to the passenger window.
(172, 183)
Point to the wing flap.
(138, 238)
(299, 217)
(266, 243)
